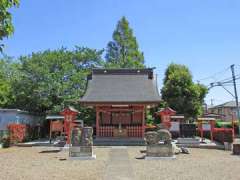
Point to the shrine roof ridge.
(122, 71)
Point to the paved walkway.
(118, 165)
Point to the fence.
(106, 131)
(132, 131)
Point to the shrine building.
(120, 97)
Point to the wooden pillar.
(97, 121)
(201, 129)
(143, 121)
(212, 123)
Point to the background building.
(227, 110)
(8, 116)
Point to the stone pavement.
(118, 165)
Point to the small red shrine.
(120, 97)
(69, 116)
(165, 114)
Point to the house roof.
(54, 117)
(121, 86)
(213, 115)
(13, 110)
(226, 104)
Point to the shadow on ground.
(50, 151)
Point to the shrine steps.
(107, 141)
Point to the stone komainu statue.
(76, 136)
(82, 136)
(154, 137)
(87, 133)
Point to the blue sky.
(204, 35)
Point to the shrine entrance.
(120, 121)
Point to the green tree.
(5, 86)
(6, 26)
(123, 50)
(180, 93)
(51, 79)
(8, 74)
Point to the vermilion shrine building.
(120, 97)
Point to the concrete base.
(160, 158)
(65, 147)
(93, 157)
(81, 151)
(236, 148)
(114, 141)
(194, 141)
(228, 146)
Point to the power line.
(226, 82)
(214, 75)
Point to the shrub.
(5, 142)
(17, 132)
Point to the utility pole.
(212, 101)
(236, 96)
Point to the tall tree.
(50, 79)
(5, 85)
(8, 74)
(181, 93)
(6, 26)
(123, 50)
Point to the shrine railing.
(131, 131)
(135, 131)
(106, 131)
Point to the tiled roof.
(226, 104)
(121, 86)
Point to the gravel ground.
(201, 164)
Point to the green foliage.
(8, 71)
(6, 27)
(123, 51)
(6, 142)
(180, 93)
(223, 124)
(5, 86)
(149, 119)
(51, 79)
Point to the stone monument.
(81, 146)
(159, 145)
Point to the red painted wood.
(97, 121)
(69, 117)
(132, 118)
(143, 122)
(56, 126)
(105, 131)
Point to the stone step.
(118, 142)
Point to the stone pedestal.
(81, 151)
(236, 148)
(160, 150)
(227, 146)
(160, 158)
(159, 145)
